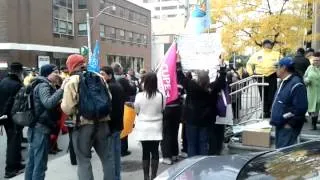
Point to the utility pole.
(89, 34)
(186, 15)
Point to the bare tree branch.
(250, 35)
(282, 8)
(269, 7)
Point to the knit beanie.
(73, 61)
(47, 69)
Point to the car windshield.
(297, 162)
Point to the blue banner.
(94, 63)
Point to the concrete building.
(35, 32)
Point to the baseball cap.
(286, 61)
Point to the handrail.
(247, 87)
(246, 79)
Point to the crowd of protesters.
(57, 104)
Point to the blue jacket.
(290, 103)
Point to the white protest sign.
(43, 60)
(200, 52)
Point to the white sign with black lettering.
(43, 60)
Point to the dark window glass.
(82, 4)
(82, 29)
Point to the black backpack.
(22, 112)
(94, 98)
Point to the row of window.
(169, 7)
(121, 34)
(116, 34)
(63, 17)
(123, 12)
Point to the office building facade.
(38, 32)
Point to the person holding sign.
(263, 63)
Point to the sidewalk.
(131, 167)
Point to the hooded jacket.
(46, 100)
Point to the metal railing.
(247, 97)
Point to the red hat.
(73, 61)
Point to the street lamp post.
(89, 27)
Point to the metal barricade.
(247, 97)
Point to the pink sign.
(167, 75)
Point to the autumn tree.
(246, 23)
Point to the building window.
(130, 36)
(121, 11)
(63, 17)
(130, 15)
(82, 4)
(121, 34)
(145, 39)
(157, 8)
(102, 31)
(172, 15)
(82, 29)
(111, 32)
(156, 17)
(169, 8)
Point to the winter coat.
(46, 102)
(149, 119)
(70, 101)
(202, 102)
(9, 87)
(116, 123)
(301, 64)
(263, 62)
(312, 80)
(290, 103)
(129, 90)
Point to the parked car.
(301, 161)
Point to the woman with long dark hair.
(149, 105)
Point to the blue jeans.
(197, 140)
(116, 146)
(286, 137)
(38, 154)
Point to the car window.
(297, 162)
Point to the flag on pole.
(167, 75)
(94, 63)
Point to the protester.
(301, 63)
(142, 74)
(32, 75)
(149, 106)
(309, 54)
(202, 98)
(46, 100)
(54, 149)
(263, 63)
(9, 87)
(116, 123)
(290, 105)
(64, 73)
(312, 81)
(129, 93)
(171, 122)
(134, 81)
(88, 133)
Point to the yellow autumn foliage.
(246, 23)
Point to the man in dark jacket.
(46, 99)
(289, 106)
(129, 94)
(9, 87)
(300, 62)
(116, 124)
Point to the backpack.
(94, 98)
(22, 112)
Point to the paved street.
(59, 166)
